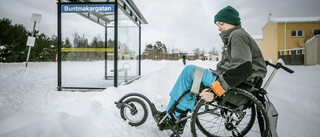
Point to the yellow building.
(284, 38)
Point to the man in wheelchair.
(241, 61)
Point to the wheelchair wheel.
(135, 111)
(211, 119)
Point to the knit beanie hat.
(228, 15)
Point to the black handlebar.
(279, 65)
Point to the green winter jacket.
(241, 59)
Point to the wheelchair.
(241, 111)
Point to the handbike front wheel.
(211, 119)
(135, 111)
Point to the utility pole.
(36, 18)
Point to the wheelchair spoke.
(228, 119)
(211, 112)
(134, 118)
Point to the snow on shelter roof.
(295, 19)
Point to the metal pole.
(34, 26)
(115, 44)
(106, 53)
(270, 78)
(316, 50)
(140, 49)
(285, 36)
(59, 45)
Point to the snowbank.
(31, 106)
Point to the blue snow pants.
(184, 83)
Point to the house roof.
(295, 19)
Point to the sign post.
(31, 40)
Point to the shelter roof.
(104, 18)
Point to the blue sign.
(71, 8)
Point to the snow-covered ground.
(31, 106)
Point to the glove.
(217, 89)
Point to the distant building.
(210, 57)
(284, 38)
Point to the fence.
(292, 56)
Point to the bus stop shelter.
(109, 60)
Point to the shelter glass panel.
(110, 55)
(128, 48)
(85, 49)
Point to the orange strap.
(217, 89)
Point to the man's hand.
(206, 96)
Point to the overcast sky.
(179, 24)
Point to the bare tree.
(213, 51)
(308, 34)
